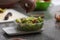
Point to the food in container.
(7, 16)
(57, 17)
(42, 5)
(29, 24)
(1, 10)
(17, 39)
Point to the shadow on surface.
(36, 36)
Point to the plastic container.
(42, 6)
(30, 27)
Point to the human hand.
(27, 5)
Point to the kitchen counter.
(50, 30)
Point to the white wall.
(56, 2)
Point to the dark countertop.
(50, 32)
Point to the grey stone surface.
(50, 32)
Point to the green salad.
(30, 23)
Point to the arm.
(28, 5)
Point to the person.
(28, 5)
